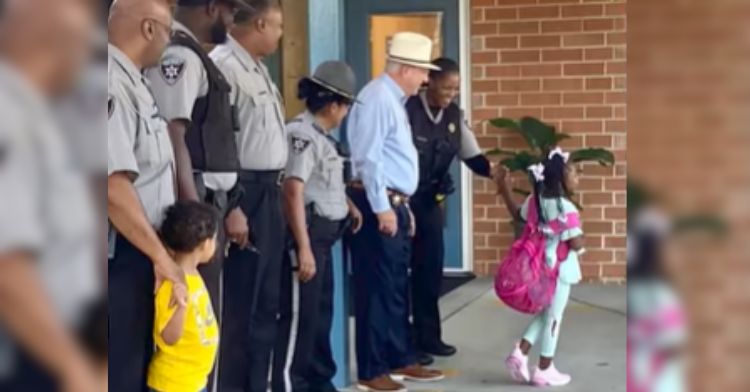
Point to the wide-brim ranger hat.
(412, 49)
(336, 77)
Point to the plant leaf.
(543, 135)
(560, 137)
(637, 196)
(504, 123)
(600, 155)
(705, 223)
(520, 162)
(512, 125)
(513, 164)
(499, 151)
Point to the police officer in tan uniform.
(319, 212)
(252, 284)
(47, 225)
(193, 96)
(140, 172)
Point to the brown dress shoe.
(417, 373)
(381, 384)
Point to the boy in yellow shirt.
(186, 337)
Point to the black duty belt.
(395, 197)
(273, 177)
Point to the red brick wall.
(688, 141)
(562, 61)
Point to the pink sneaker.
(518, 365)
(550, 377)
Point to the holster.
(445, 186)
(224, 201)
(314, 219)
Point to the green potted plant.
(640, 198)
(541, 138)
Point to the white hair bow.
(559, 151)
(538, 171)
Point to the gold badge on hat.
(452, 127)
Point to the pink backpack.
(524, 281)
(644, 332)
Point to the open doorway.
(370, 24)
(384, 26)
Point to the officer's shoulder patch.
(299, 144)
(110, 106)
(172, 68)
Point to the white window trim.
(466, 187)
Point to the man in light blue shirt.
(383, 153)
(386, 172)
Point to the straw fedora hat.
(412, 49)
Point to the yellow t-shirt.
(184, 367)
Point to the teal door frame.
(326, 21)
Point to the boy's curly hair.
(187, 224)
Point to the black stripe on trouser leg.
(286, 337)
(381, 276)
(427, 273)
(131, 318)
(312, 367)
(251, 293)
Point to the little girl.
(657, 320)
(553, 181)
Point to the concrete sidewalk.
(592, 342)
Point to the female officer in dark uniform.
(317, 209)
(440, 135)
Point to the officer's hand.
(412, 224)
(237, 228)
(306, 261)
(388, 223)
(357, 219)
(80, 378)
(446, 185)
(169, 270)
(179, 296)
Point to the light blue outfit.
(649, 299)
(382, 149)
(547, 323)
